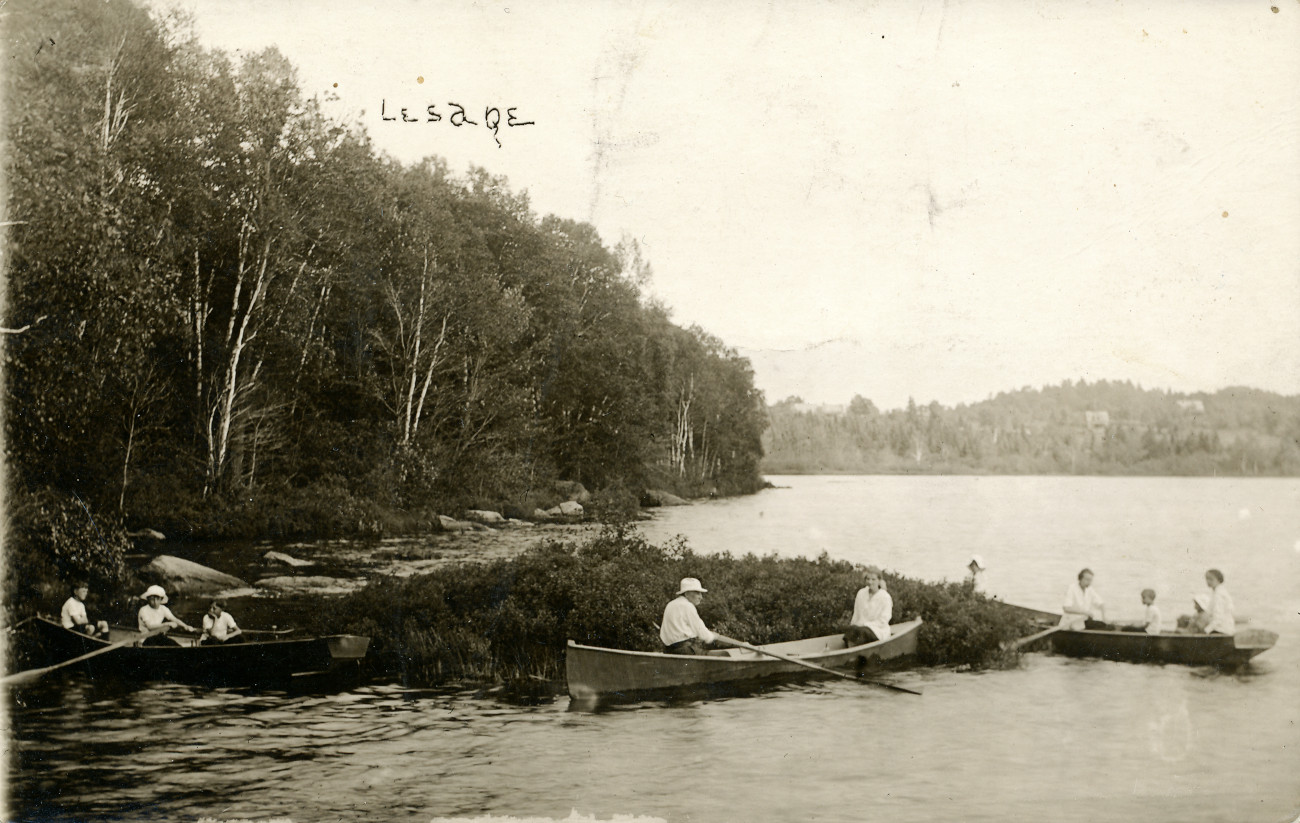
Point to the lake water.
(1056, 739)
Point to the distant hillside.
(1074, 428)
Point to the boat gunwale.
(904, 628)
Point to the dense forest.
(228, 314)
(1106, 427)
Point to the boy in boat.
(73, 614)
(682, 631)
(219, 625)
(1151, 619)
(872, 610)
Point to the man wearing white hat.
(682, 631)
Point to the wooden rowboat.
(1166, 647)
(594, 672)
(182, 658)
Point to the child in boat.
(219, 625)
(1151, 620)
(73, 615)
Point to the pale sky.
(937, 200)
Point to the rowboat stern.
(346, 648)
(1250, 642)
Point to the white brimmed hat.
(154, 590)
(690, 584)
(978, 561)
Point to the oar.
(25, 677)
(807, 665)
(1025, 641)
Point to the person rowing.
(154, 614)
(682, 631)
(1083, 607)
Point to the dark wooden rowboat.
(1167, 647)
(594, 672)
(182, 658)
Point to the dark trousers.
(690, 646)
(858, 635)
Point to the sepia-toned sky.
(935, 200)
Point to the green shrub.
(53, 539)
(509, 619)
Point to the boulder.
(187, 577)
(541, 516)
(572, 490)
(282, 559)
(570, 508)
(151, 534)
(659, 497)
(451, 524)
(518, 524)
(484, 516)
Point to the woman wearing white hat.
(976, 567)
(682, 630)
(154, 614)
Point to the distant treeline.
(1105, 427)
(228, 315)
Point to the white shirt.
(221, 627)
(682, 622)
(149, 618)
(1220, 612)
(74, 613)
(873, 611)
(1077, 597)
(1153, 619)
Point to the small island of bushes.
(508, 621)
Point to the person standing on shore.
(682, 631)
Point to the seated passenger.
(1219, 618)
(1151, 623)
(73, 615)
(682, 631)
(872, 609)
(219, 625)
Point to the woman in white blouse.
(1218, 611)
(1083, 607)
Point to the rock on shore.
(658, 497)
(187, 577)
